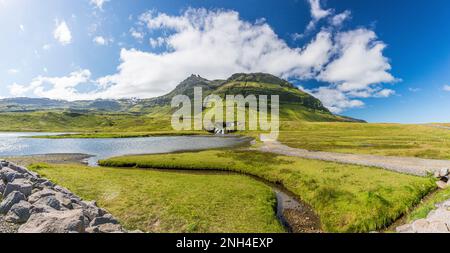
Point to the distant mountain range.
(294, 103)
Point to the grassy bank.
(380, 139)
(156, 201)
(348, 198)
(428, 204)
(99, 135)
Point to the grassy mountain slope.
(154, 114)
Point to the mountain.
(294, 103)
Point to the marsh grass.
(378, 139)
(157, 201)
(348, 198)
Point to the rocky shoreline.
(31, 204)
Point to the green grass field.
(157, 201)
(379, 139)
(347, 198)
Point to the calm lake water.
(14, 144)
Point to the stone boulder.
(70, 221)
(22, 185)
(2, 187)
(9, 175)
(106, 228)
(91, 210)
(19, 213)
(50, 201)
(444, 172)
(4, 163)
(105, 219)
(19, 169)
(12, 199)
(441, 184)
(52, 198)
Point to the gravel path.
(408, 165)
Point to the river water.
(18, 144)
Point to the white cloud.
(99, 3)
(336, 101)
(46, 47)
(137, 34)
(338, 19)
(216, 44)
(22, 28)
(102, 41)
(384, 93)
(157, 42)
(54, 87)
(13, 71)
(317, 13)
(62, 33)
(446, 87)
(360, 62)
(412, 89)
(316, 10)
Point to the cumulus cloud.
(62, 33)
(446, 87)
(137, 34)
(338, 19)
(360, 62)
(336, 101)
(98, 3)
(216, 44)
(54, 87)
(46, 47)
(316, 10)
(13, 71)
(317, 13)
(102, 41)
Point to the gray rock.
(70, 221)
(443, 172)
(442, 184)
(62, 190)
(107, 218)
(22, 185)
(437, 174)
(4, 163)
(90, 209)
(19, 213)
(9, 175)
(42, 208)
(51, 197)
(407, 228)
(19, 169)
(12, 199)
(50, 201)
(2, 187)
(40, 194)
(106, 228)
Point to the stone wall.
(31, 204)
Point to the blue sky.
(378, 60)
